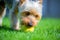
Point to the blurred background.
(51, 8)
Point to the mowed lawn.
(47, 29)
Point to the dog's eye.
(27, 13)
(36, 15)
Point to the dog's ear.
(22, 1)
(40, 1)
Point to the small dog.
(25, 15)
(30, 14)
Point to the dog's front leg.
(15, 22)
(0, 21)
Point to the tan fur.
(26, 19)
(40, 1)
(32, 12)
(22, 1)
(35, 13)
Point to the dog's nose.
(30, 24)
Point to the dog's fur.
(26, 14)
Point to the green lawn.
(47, 29)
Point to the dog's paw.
(0, 22)
(15, 28)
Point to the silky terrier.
(25, 15)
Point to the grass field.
(47, 29)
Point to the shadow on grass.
(7, 28)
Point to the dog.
(25, 15)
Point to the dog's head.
(30, 18)
(30, 13)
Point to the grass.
(47, 29)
